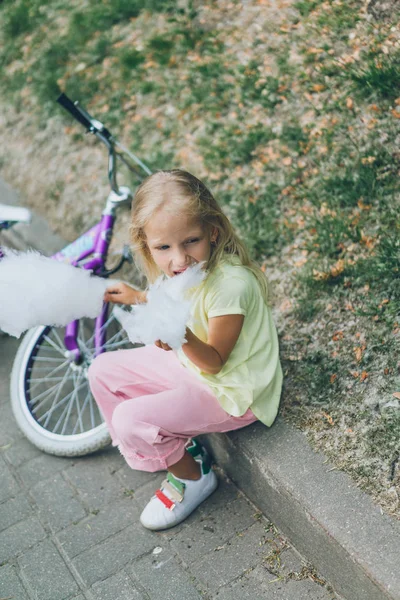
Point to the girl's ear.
(214, 235)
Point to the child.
(226, 376)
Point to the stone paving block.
(9, 430)
(97, 527)
(9, 486)
(80, 597)
(21, 451)
(10, 585)
(143, 494)
(46, 573)
(56, 502)
(19, 537)
(225, 493)
(209, 531)
(112, 458)
(261, 584)
(132, 479)
(163, 577)
(95, 485)
(8, 348)
(113, 554)
(42, 467)
(117, 587)
(14, 510)
(231, 558)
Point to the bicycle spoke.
(46, 379)
(42, 379)
(60, 348)
(39, 369)
(55, 332)
(115, 336)
(61, 403)
(70, 405)
(50, 411)
(104, 326)
(81, 410)
(91, 410)
(116, 345)
(48, 359)
(48, 391)
(66, 410)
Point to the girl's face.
(177, 241)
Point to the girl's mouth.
(181, 271)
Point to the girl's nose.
(180, 257)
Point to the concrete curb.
(327, 519)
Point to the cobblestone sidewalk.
(69, 530)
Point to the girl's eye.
(192, 241)
(163, 248)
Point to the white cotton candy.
(165, 315)
(36, 290)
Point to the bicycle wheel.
(50, 394)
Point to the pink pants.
(153, 405)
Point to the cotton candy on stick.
(36, 290)
(165, 314)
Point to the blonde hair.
(179, 191)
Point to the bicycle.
(50, 394)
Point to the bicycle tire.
(47, 388)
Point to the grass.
(294, 125)
(377, 77)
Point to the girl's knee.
(130, 423)
(102, 364)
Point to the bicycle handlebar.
(97, 128)
(82, 116)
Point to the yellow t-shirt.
(252, 375)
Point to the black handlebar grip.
(73, 110)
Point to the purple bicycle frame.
(93, 242)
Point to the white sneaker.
(176, 500)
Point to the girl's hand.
(163, 346)
(121, 293)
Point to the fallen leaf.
(349, 103)
(396, 395)
(358, 353)
(338, 335)
(363, 206)
(320, 275)
(337, 268)
(327, 417)
(368, 160)
(363, 375)
(301, 262)
(315, 51)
